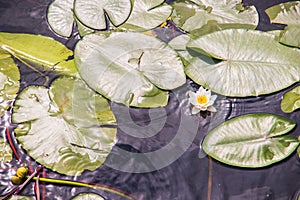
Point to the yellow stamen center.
(202, 99)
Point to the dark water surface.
(183, 175)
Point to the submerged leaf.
(40, 50)
(253, 140)
(6, 152)
(291, 100)
(60, 17)
(9, 82)
(190, 15)
(129, 68)
(253, 60)
(61, 128)
(92, 12)
(88, 196)
(147, 14)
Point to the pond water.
(158, 154)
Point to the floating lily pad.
(43, 51)
(60, 17)
(190, 15)
(291, 100)
(61, 127)
(9, 82)
(92, 12)
(287, 13)
(18, 197)
(6, 152)
(253, 140)
(290, 36)
(129, 68)
(253, 60)
(147, 14)
(88, 196)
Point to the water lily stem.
(27, 65)
(12, 146)
(19, 188)
(82, 184)
(209, 182)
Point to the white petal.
(212, 109)
(195, 110)
(213, 98)
(191, 94)
(201, 89)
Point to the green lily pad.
(287, 13)
(147, 14)
(43, 51)
(190, 15)
(18, 197)
(88, 196)
(60, 17)
(9, 82)
(61, 127)
(254, 60)
(129, 68)
(291, 100)
(92, 12)
(6, 152)
(253, 140)
(290, 36)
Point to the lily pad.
(129, 68)
(287, 13)
(253, 140)
(147, 14)
(43, 51)
(18, 197)
(254, 60)
(291, 100)
(88, 196)
(290, 36)
(190, 15)
(92, 12)
(61, 127)
(60, 17)
(9, 82)
(6, 152)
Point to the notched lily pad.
(289, 14)
(61, 127)
(253, 140)
(190, 15)
(43, 51)
(129, 68)
(60, 17)
(147, 14)
(254, 60)
(291, 100)
(92, 12)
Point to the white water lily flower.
(202, 100)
